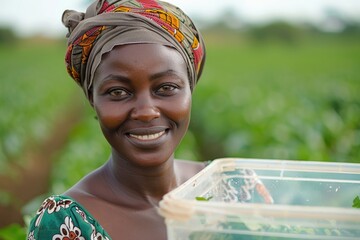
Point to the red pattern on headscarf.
(166, 16)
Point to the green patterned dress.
(62, 218)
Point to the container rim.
(171, 205)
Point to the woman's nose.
(144, 109)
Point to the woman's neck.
(139, 187)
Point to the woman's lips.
(148, 137)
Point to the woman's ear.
(91, 98)
(91, 101)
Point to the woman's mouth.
(147, 137)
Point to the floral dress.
(62, 218)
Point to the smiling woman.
(142, 98)
(137, 63)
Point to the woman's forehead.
(149, 59)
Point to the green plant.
(13, 232)
(203, 198)
(356, 202)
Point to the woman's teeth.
(148, 137)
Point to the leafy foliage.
(33, 91)
(279, 101)
(14, 231)
(7, 36)
(204, 199)
(356, 202)
(269, 100)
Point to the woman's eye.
(167, 89)
(118, 93)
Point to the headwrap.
(109, 23)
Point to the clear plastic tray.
(265, 199)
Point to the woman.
(137, 62)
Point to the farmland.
(271, 99)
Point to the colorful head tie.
(109, 23)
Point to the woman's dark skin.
(142, 99)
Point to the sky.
(30, 17)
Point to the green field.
(33, 91)
(296, 101)
(281, 101)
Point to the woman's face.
(142, 98)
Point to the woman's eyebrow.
(166, 73)
(112, 77)
(116, 77)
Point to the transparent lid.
(275, 188)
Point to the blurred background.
(282, 81)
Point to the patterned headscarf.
(109, 23)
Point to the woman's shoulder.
(60, 216)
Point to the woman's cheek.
(111, 116)
(185, 105)
(182, 111)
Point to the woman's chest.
(132, 224)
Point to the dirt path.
(30, 176)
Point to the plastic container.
(265, 199)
